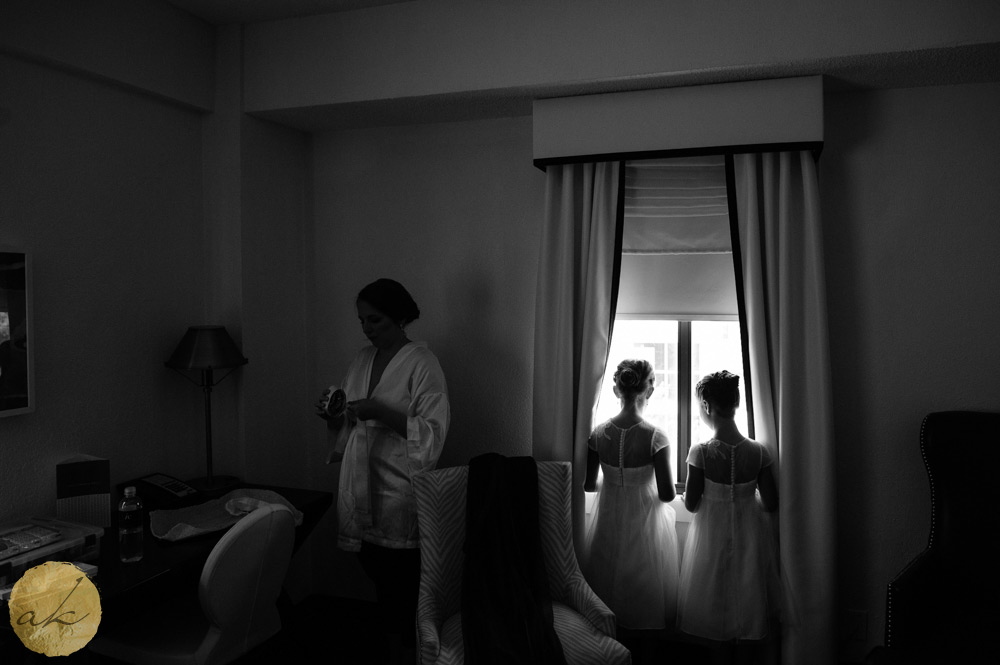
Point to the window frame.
(685, 397)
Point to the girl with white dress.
(728, 571)
(631, 555)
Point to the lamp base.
(217, 484)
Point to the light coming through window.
(681, 353)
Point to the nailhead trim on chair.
(888, 618)
(930, 477)
(930, 537)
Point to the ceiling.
(977, 63)
(934, 66)
(221, 12)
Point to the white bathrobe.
(375, 502)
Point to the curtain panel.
(784, 290)
(579, 261)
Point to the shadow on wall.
(488, 384)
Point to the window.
(681, 352)
(715, 345)
(677, 304)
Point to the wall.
(276, 303)
(453, 212)
(910, 209)
(102, 187)
(144, 45)
(145, 216)
(184, 217)
(257, 236)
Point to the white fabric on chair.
(235, 611)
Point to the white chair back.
(242, 578)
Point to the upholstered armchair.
(945, 604)
(584, 624)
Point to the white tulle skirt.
(631, 557)
(729, 586)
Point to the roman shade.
(676, 241)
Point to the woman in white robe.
(392, 427)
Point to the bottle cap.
(130, 491)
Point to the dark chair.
(944, 606)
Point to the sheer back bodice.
(736, 465)
(627, 447)
(626, 454)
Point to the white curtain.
(777, 197)
(580, 247)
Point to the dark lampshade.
(206, 347)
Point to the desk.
(166, 568)
(165, 563)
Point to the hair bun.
(632, 378)
(629, 378)
(721, 389)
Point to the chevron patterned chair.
(584, 624)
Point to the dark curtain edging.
(816, 147)
(741, 299)
(616, 273)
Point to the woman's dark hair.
(721, 390)
(632, 378)
(392, 299)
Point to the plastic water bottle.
(130, 526)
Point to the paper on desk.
(214, 515)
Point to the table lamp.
(207, 348)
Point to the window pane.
(715, 346)
(655, 341)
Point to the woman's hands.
(335, 416)
(321, 404)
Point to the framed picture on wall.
(17, 389)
